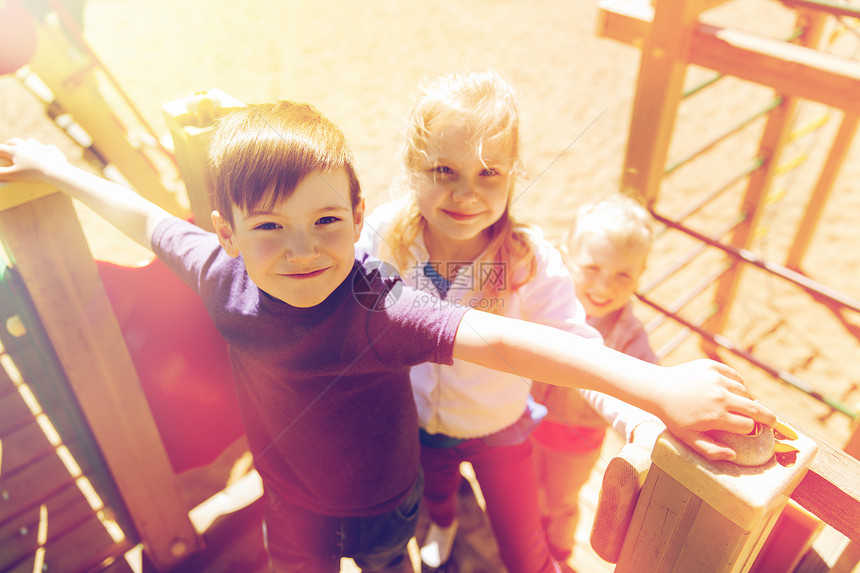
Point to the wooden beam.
(632, 18)
(12, 196)
(627, 21)
(773, 141)
(44, 242)
(787, 68)
(831, 489)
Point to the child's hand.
(27, 160)
(706, 395)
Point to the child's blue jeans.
(299, 540)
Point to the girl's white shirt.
(467, 401)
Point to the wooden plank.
(65, 511)
(32, 485)
(664, 504)
(6, 384)
(627, 21)
(852, 445)
(787, 68)
(699, 515)
(755, 545)
(831, 489)
(789, 540)
(82, 550)
(14, 413)
(23, 446)
(709, 530)
(48, 249)
(774, 139)
(22, 194)
(848, 559)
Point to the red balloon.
(17, 36)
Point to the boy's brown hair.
(260, 153)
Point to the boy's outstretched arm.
(690, 398)
(120, 206)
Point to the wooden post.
(189, 121)
(44, 242)
(835, 159)
(774, 139)
(658, 94)
(698, 515)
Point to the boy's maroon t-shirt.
(324, 391)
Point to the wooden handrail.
(831, 489)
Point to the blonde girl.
(452, 234)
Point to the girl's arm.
(120, 206)
(690, 398)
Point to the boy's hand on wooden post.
(27, 160)
(705, 395)
(30, 160)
